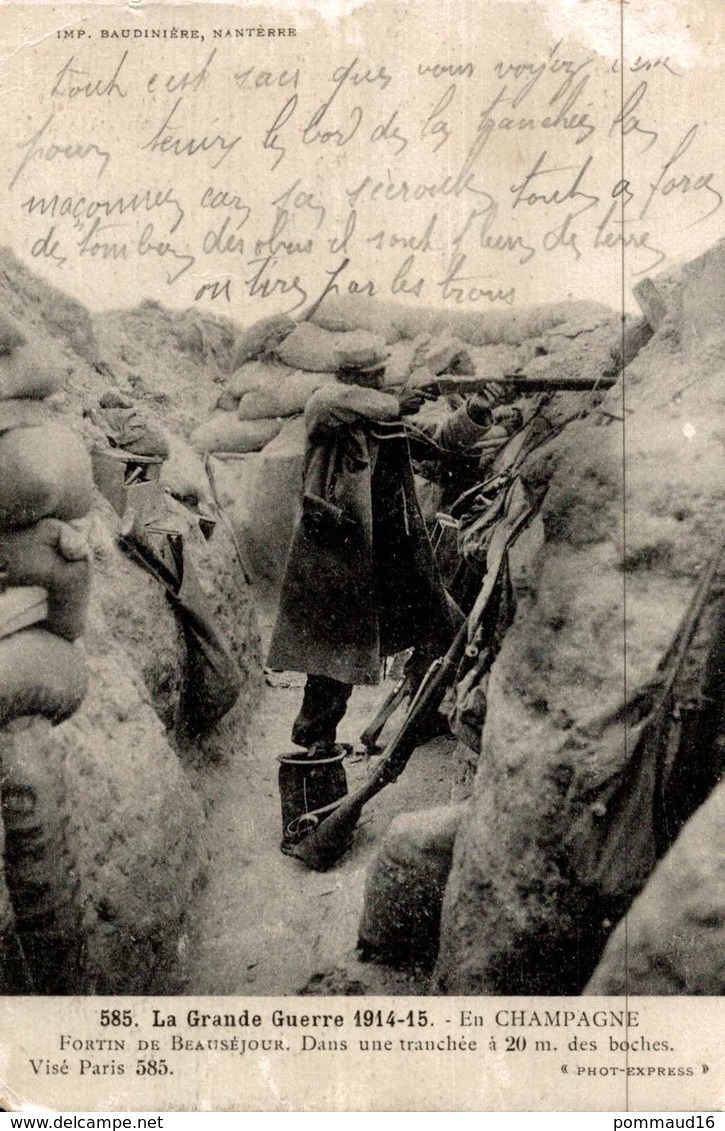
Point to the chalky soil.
(265, 924)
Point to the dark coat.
(361, 582)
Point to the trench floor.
(262, 922)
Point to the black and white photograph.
(362, 574)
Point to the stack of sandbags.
(45, 486)
(510, 326)
(406, 879)
(280, 370)
(572, 352)
(279, 365)
(446, 354)
(264, 389)
(403, 358)
(257, 374)
(251, 409)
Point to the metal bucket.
(310, 788)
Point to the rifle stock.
(330, 839)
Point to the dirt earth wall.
(511, 896)
(136, 798)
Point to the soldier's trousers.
(323, 707)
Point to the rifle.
(241, 556)
(518, 383)
(643, 808)
(329, 839)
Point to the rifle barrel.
(520, 383)
(542, 384)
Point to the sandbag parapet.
(46, 487)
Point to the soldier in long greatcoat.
(361, 582)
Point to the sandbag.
(309, 347)
(262, 337)
(44, 472)
(405, 884)
(11, 336)
(227, 401)
(259, 404)
(30, 372)
(288, 398)
(40, 674)
(253, 375)
(50, 553)
(449, 355)
(223, 432)
(359, 312)
(22, 414)
(316, 350)
(264, 389)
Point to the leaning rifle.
(327, 840)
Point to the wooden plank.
(21, 606)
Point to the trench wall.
(603, 581)
(135, 798)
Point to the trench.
(183, 885)
(261, 922)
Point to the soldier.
(361, 581)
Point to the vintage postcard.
(361, 545)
